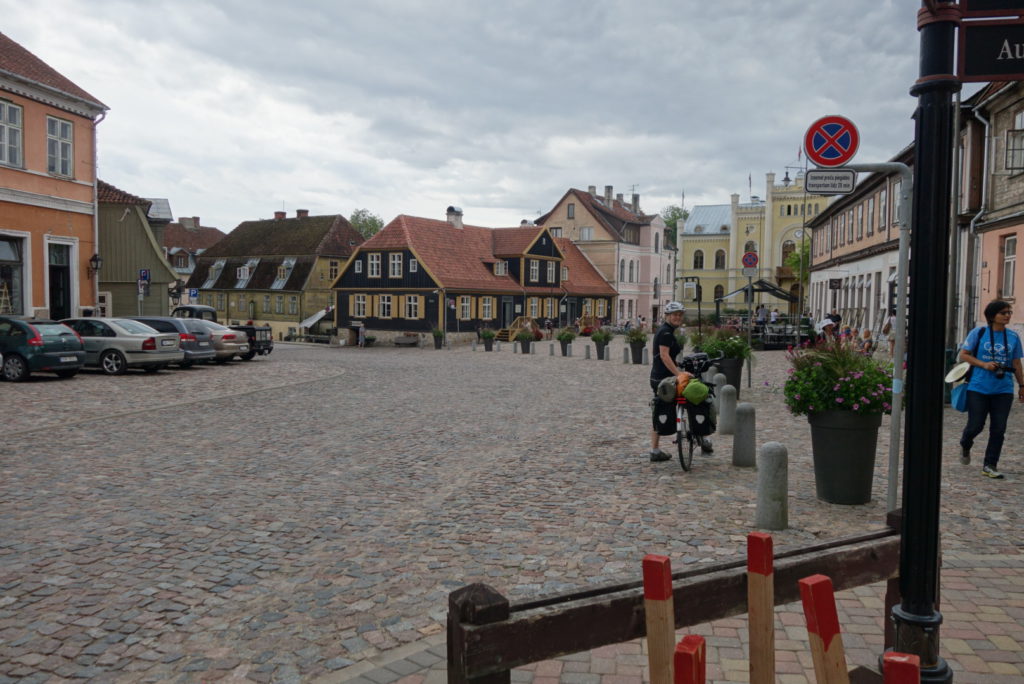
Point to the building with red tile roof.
(488, 277)
(626, 245)
(49, 234)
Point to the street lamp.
(95, 264)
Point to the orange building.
(48, 228)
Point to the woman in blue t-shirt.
(994, 353)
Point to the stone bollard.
(569, 350)
(727, 410)
(515, 348)
(586, 352)
(744, 440)
(773, 487)
(533, 348)
(551, 349)
(474, 345)
(647, 356)
(625, 355)
(720, 381)
(497, 345)
(710, 373)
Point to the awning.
(762, 286)
(312, 320)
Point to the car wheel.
(248, 356)
(68, 373)
(112, 362)
(15, 368)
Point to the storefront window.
(11, 276)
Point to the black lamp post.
(95, 264)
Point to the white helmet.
(673, 307)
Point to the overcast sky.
(233, 109)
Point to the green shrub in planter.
(602, 335)
(437, 332)
(636, 335)
(524, 335)
(566, 335)
(487, 334)
(725, 341)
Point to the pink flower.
(839, 400)
(856, 407)
(886, 406)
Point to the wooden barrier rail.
(488, 635)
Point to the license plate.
(204, 344)
(243, 347)
(68, 359)
(167, 343)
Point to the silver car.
(116, 344)
(227, 342)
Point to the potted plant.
(843, 393)
(565, 336)
(524, 337)
(734, 349)
(637, 339)
(438, 337)
(601, 338)
(487, 335)
(369, 340)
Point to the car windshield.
(53, 329)
(217, 327)
(133, 327)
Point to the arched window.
(698, 260)
(751, 246)
(630, 271)
(622, 270)
(788, 247)
(719, 291)
(720, 260)
(656, 244)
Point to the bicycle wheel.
(684, 441)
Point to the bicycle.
(686, 440)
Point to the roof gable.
(584, 278)
(19, 62)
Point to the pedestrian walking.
(362, 336)
(994, 353)
(774, 316)
(665, 348)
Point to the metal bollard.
(586, 352)
(569, 349)
(719, 380)
(497, 345)
(551, 349)
(647, 356)
(625, 356)
(744, 441)
(474, 345)
(773, 487)
(533, 348)
(727, 410)
(515, 348)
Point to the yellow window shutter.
(351, 305)
(473, 307)
(400, 304)
(371, 305)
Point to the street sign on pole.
(831, 141)
(144, 274)
(830, 181)
(970, 9)
(991, 51)
(749, 259)
(193, 292)
(750, 272)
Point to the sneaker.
(657, 455)
(965, 455)
(989, 471)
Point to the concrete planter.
(843, 444)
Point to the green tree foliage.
(366, 222)
(672, 215)
(800, 261)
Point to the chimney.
(636, 203)
(195, 222)
(592, 189)
(302, 213)
(619, 197)
(524, 223)
(455, 217)
(278, 215)
(608, 195)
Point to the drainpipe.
(95, 213)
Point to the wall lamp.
(95, 264)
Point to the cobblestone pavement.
(304, 516)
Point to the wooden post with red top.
(901, 668)
(823, 630)
(691, 660)
(660, 617)
(761, 607)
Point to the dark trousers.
(997, 408)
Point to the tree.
(799, 261)
(672, 215)
(366, 222)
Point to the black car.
(32, 345)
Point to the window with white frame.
(385, 307)
(551, 271)
(220, 301)
(487, 308)
(293, 305)
(395, 265)
(465, 307)
(586, 233)
(359, 306)
(600, 308)
(534, 307)
(279, 304)
(849, 226)
(883, 211)
(266, 303)
(58, 146)
(534, 270)
(500, 268)
(414, 266)
(556, 232)
(1009, 264)
(565, 273)
(1015, 144)
(374, 263)
(871, 216)
(570, 210)
(860, 221)
(897, 190)
(359, 266)
(332, 269)
(10, 133)
(412, 306)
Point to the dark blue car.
(30, 346)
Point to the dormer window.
(284, 271)
(214, 274)
(244, 273)
(500, 268)
(698, 229)
(724, 229)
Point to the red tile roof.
(16, 60)
(614, 217)
(108, 193)
(513, 241)
(584, 278)
(192, 239)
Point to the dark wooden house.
(419, 274)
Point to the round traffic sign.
(749, 259)
(831, 141)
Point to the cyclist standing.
(664, 350)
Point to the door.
(572, 311)
(508, 312)
(60, 281)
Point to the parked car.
(227, 343)
(193, 339)
(29, 346)
(261, 337)
(117, 344)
